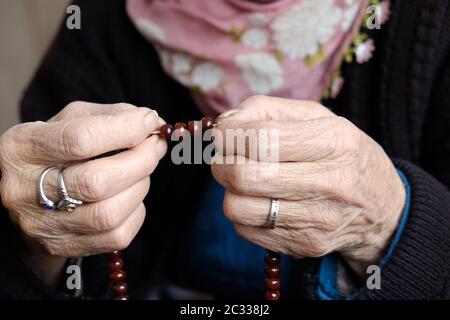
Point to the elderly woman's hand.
(112, 188)
(338, 189)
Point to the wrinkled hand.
(112, 188)
(338, 189)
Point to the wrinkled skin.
(338, 189)
(113, 188)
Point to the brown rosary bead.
(166, 131)
(194, 127)
(207, 123)
(272, 271)
(272, 295)
(180, 130)
(120, 288)
(272, 284)
(272, 259)
(180, 125)
(115, 264)
(118, 276)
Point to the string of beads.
(272, 270)
(272, 260)
(117, 276)
(193, 127)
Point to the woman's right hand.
(112, 188)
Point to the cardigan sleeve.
(327, 279)
(419, 266)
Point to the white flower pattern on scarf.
(150, 30)
(255, 38)
(301, 31)
(350, 14)
(262, 72)
(258, 19)
(207, 76)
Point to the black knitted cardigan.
(401, 98)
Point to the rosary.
(115, 262)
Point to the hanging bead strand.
(272, 270)
(272, 259)
(118, 276)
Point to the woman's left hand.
(338, 190)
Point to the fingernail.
(161, 148)
(151, 120)
(161, 122)
(227, 114)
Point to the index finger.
(284, 141)
(87, 137)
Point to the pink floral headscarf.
(228, 50)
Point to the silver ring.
(67, 203)
(43, 200)
(273, 214)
